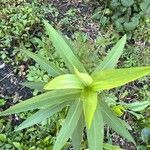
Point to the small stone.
(2, 66)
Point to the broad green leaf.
(46, 65)
(89, 99)
(145, 134)
(84, 78)
(17, 145)
(3, 137)
(67, 81)
(43, 101)
(34, 85)
(69, 125)
(95, 134)
(112, 57)
(63, 49)
(111, 119)
(78, 133)
(114, 78)
(137, 115)
(138, 106)
(127, 3)
(41, 115)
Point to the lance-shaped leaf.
(43, 101)
(95, 134)
(111, 147)
(84, 78)
(111, 59)
(137, 106)
(67, 81)
(69, 124)
(78, 133)
(46, 65)
(41, 115)
(34, 85)
(89, 99)
(113, 78)
(63, 49)
(125, 124)
(111, 119)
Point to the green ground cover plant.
(80, 91)
(125, 15)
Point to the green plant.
(83, 93)
(2, 102)
(20, 22)
(124, 14)
(16, 23)
(35, 74)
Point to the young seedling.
(82, 91)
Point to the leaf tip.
(124, 37)
(46, 87)
(17, 129)
(89, 124)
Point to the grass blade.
(111, 119)
(34, 85)
(111, 59)
(63, 49)
(43, 101)
(46, 65)
(95, 134)
(69, 124)
(41, 115)
(117, 77)
(77, 134)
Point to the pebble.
(2, 66)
